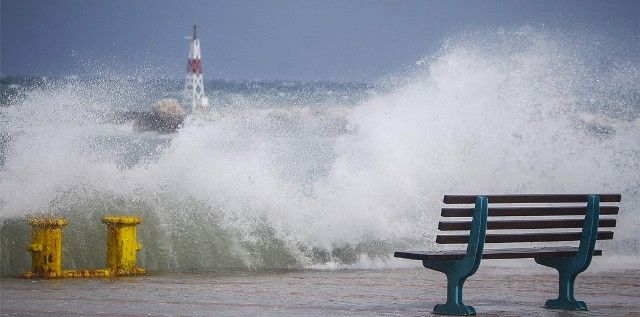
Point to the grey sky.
(266, 40)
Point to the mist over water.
(326, 175)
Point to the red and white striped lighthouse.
(194, 85)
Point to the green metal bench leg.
(454, 305)
(458, 271)
(565, 299)
(569, 268)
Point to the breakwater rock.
(166, 116)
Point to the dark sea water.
(321, 175)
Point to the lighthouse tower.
(194, 86)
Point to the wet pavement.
(493, 291)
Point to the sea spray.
(326, 179)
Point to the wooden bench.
(519, 218)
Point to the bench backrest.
(531, 218)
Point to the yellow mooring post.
(46, 247)
(122, 245)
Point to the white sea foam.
(333, 185)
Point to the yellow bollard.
(46, 247)
(122, 245)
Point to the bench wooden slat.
(521, 237)
(513, 253)
(524, 224)
(529, 211)
(529, 198)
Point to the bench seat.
(511, 253)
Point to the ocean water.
(322, 175)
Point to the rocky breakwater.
(166, 116)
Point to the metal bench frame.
(568, 267)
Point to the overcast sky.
(267, 40)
